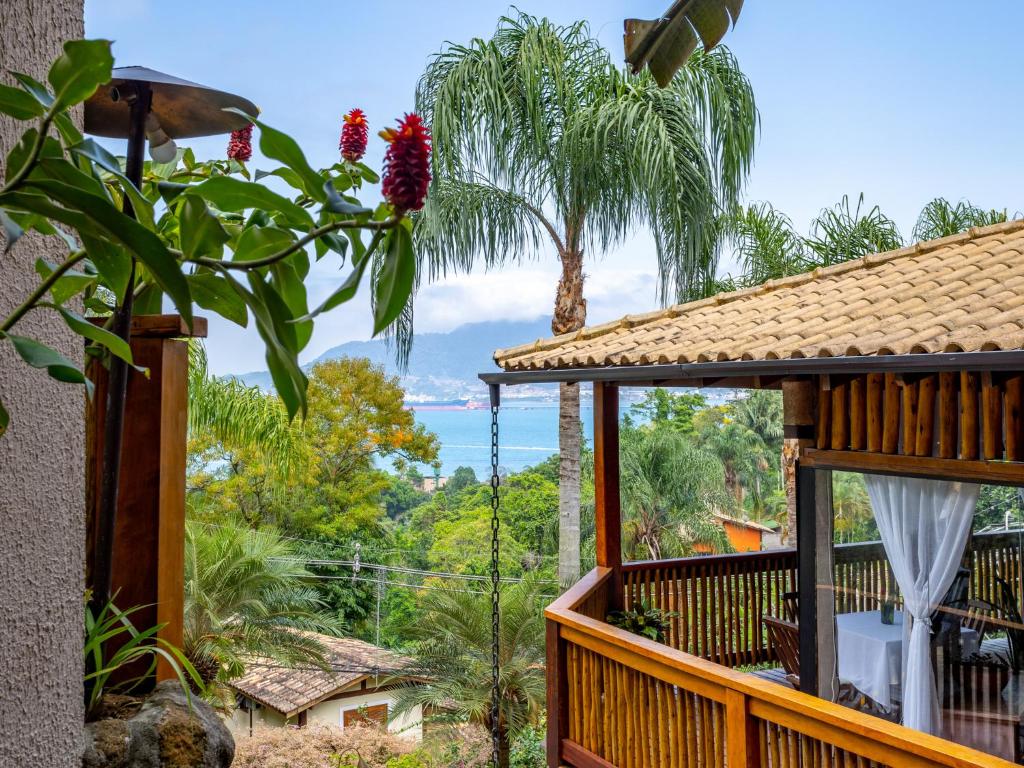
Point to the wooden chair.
(791, 606)
(1011, 622)
(785, 639)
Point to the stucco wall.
(41, 471)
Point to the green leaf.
(169, 190)
(292, 290)
(368, 173)
(22, 151)
(395, 281)
(102, 336)
(113, 263)
(282, 147)
(346, 291)
(12, 232)
(18, 104)
(215, 293)
(41, 356)
(277, 311)
(201, 233)
(337, 204)
(260, 242)
(36, 89)
(289, 380)
(92, 151)
(5, 419)
(287, 174)
(143, 243)
(69, 284)
(84, 66)
(230, 194)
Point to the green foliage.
(997, 504)
(528, 747)
(662, 407)
(245, 597)
(138, 649)
(462, 477)
(199, 234)
(454, 649)
(539, 137)
(643, 619)
(941, 218)
(841, 234)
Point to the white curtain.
(924, 525)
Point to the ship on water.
(444, 405)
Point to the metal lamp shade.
(184, 109)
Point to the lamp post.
(140, 104)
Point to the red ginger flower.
(407, 164)
(240, 144)
(353, 136)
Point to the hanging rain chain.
(495, 579)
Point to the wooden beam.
(993, 472)
(890, 415)
(607, 503)
(557, 693)
(875, 412)
(909, 417)
(991, 417)
(949, 415)
(858, 413)
(1014, 417)
(840, 415)
(969, 420)
(925, 416)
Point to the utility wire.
(400, 569)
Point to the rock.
(168, 731)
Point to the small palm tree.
(941, 218)
(238, 415)
(454, 653)
(540, 141)
(765, 244)
(246, 597)
(671, 488)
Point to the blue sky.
(903, 101)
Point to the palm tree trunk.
(790, 450)
(570, 315)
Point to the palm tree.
(239, 415)
(540, 140)
(841, 234)
(454, 655)
(671, 489)
(246, 597)
(765, 244)
(940, 218)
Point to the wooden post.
(149, 538)
(740, 732)
(798, 419)
(815, 582)
(969, 382)
(607, 505)
(556, 676)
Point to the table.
(870, 653)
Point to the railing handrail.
(843, 727)
(765, 554)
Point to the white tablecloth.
(871, 653)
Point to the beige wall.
(41, 471)
(408, 725)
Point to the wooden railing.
(719, 601)
(617, 700)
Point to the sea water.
(527, 430)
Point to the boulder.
(169, 730)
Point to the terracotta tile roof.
(963, 293)
(292, 690)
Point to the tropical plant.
(840, 233)
(246, 597)
(660, 407)
(235, 414)
(644, 620)
(113, 645)
(196, 233)
(671, 488)
(453, 652)
(765, 244)
(541, 141)
(941, 218)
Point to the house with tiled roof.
(358, 689)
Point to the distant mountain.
(442, 366)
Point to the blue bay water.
(528, 432)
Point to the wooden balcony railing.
(720, 600)
(617, 700)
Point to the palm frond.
(941, 218)
(840, 233)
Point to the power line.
(389, 583)
(401, 569)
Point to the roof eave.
(996, 360)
